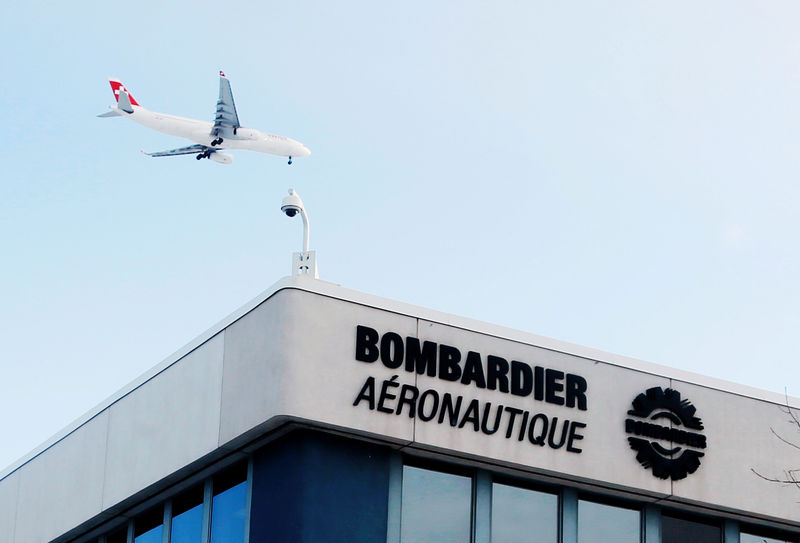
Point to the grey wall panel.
(253, 375)
(740, 438)
(294, 356)
(324, 376)
(9, 492)
(63, 486)
(166, 423)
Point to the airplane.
(210, 138)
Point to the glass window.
(677, 530)
(119, 536)
(148, 527)
(519, 514)
(436, 506)
(751, 538)
(229, 506)
(187, 517)
(601, 523)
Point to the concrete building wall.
(291, 356)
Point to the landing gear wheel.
(198, 157)
(290, 161)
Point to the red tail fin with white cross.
(116, 86)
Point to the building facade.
(316, 413)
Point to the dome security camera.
(292, 204)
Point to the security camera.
(304, 263)
(292, 204)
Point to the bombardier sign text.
(521, 417)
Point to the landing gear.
(290, 161)
(204, 154)
(200, 156)
(216, 142)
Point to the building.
(316, 413)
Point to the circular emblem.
(665, 433)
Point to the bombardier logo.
(665, 433)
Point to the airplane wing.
(226, 121)
(192, 149)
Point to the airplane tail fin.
(121, 93)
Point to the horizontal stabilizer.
(111, 113)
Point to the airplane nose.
(306, 151)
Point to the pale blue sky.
(622, 175)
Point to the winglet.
(221, 73)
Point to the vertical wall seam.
(416, 385)
(105, 460)
(224, 339)
(671, 482)
(16, 507)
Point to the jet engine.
(246, 134)
(222, 158)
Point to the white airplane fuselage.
(248, 139)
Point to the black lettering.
(449, 357)
(473, 370)
(497, 373)
(576, 391)
(485, 419)
(421, 405)
(512, 414)
(392, 350)
(553, 386)
(551, 436)
(450, 410)
(386, 395)
(523, 425)
(367, 392)
(521, 378)
(421, 360)
(539, 439)
(574, 436)
(366, 344)
(538, 378)
(471, 415)
(408, 396)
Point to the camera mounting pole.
(305, 262)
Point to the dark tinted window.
(519, 514)
(436, 506)
(679, 530)
(187, 517)
(229, 506)
(752, 538)
(148, 527)
(602, 523)
(118, 536)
